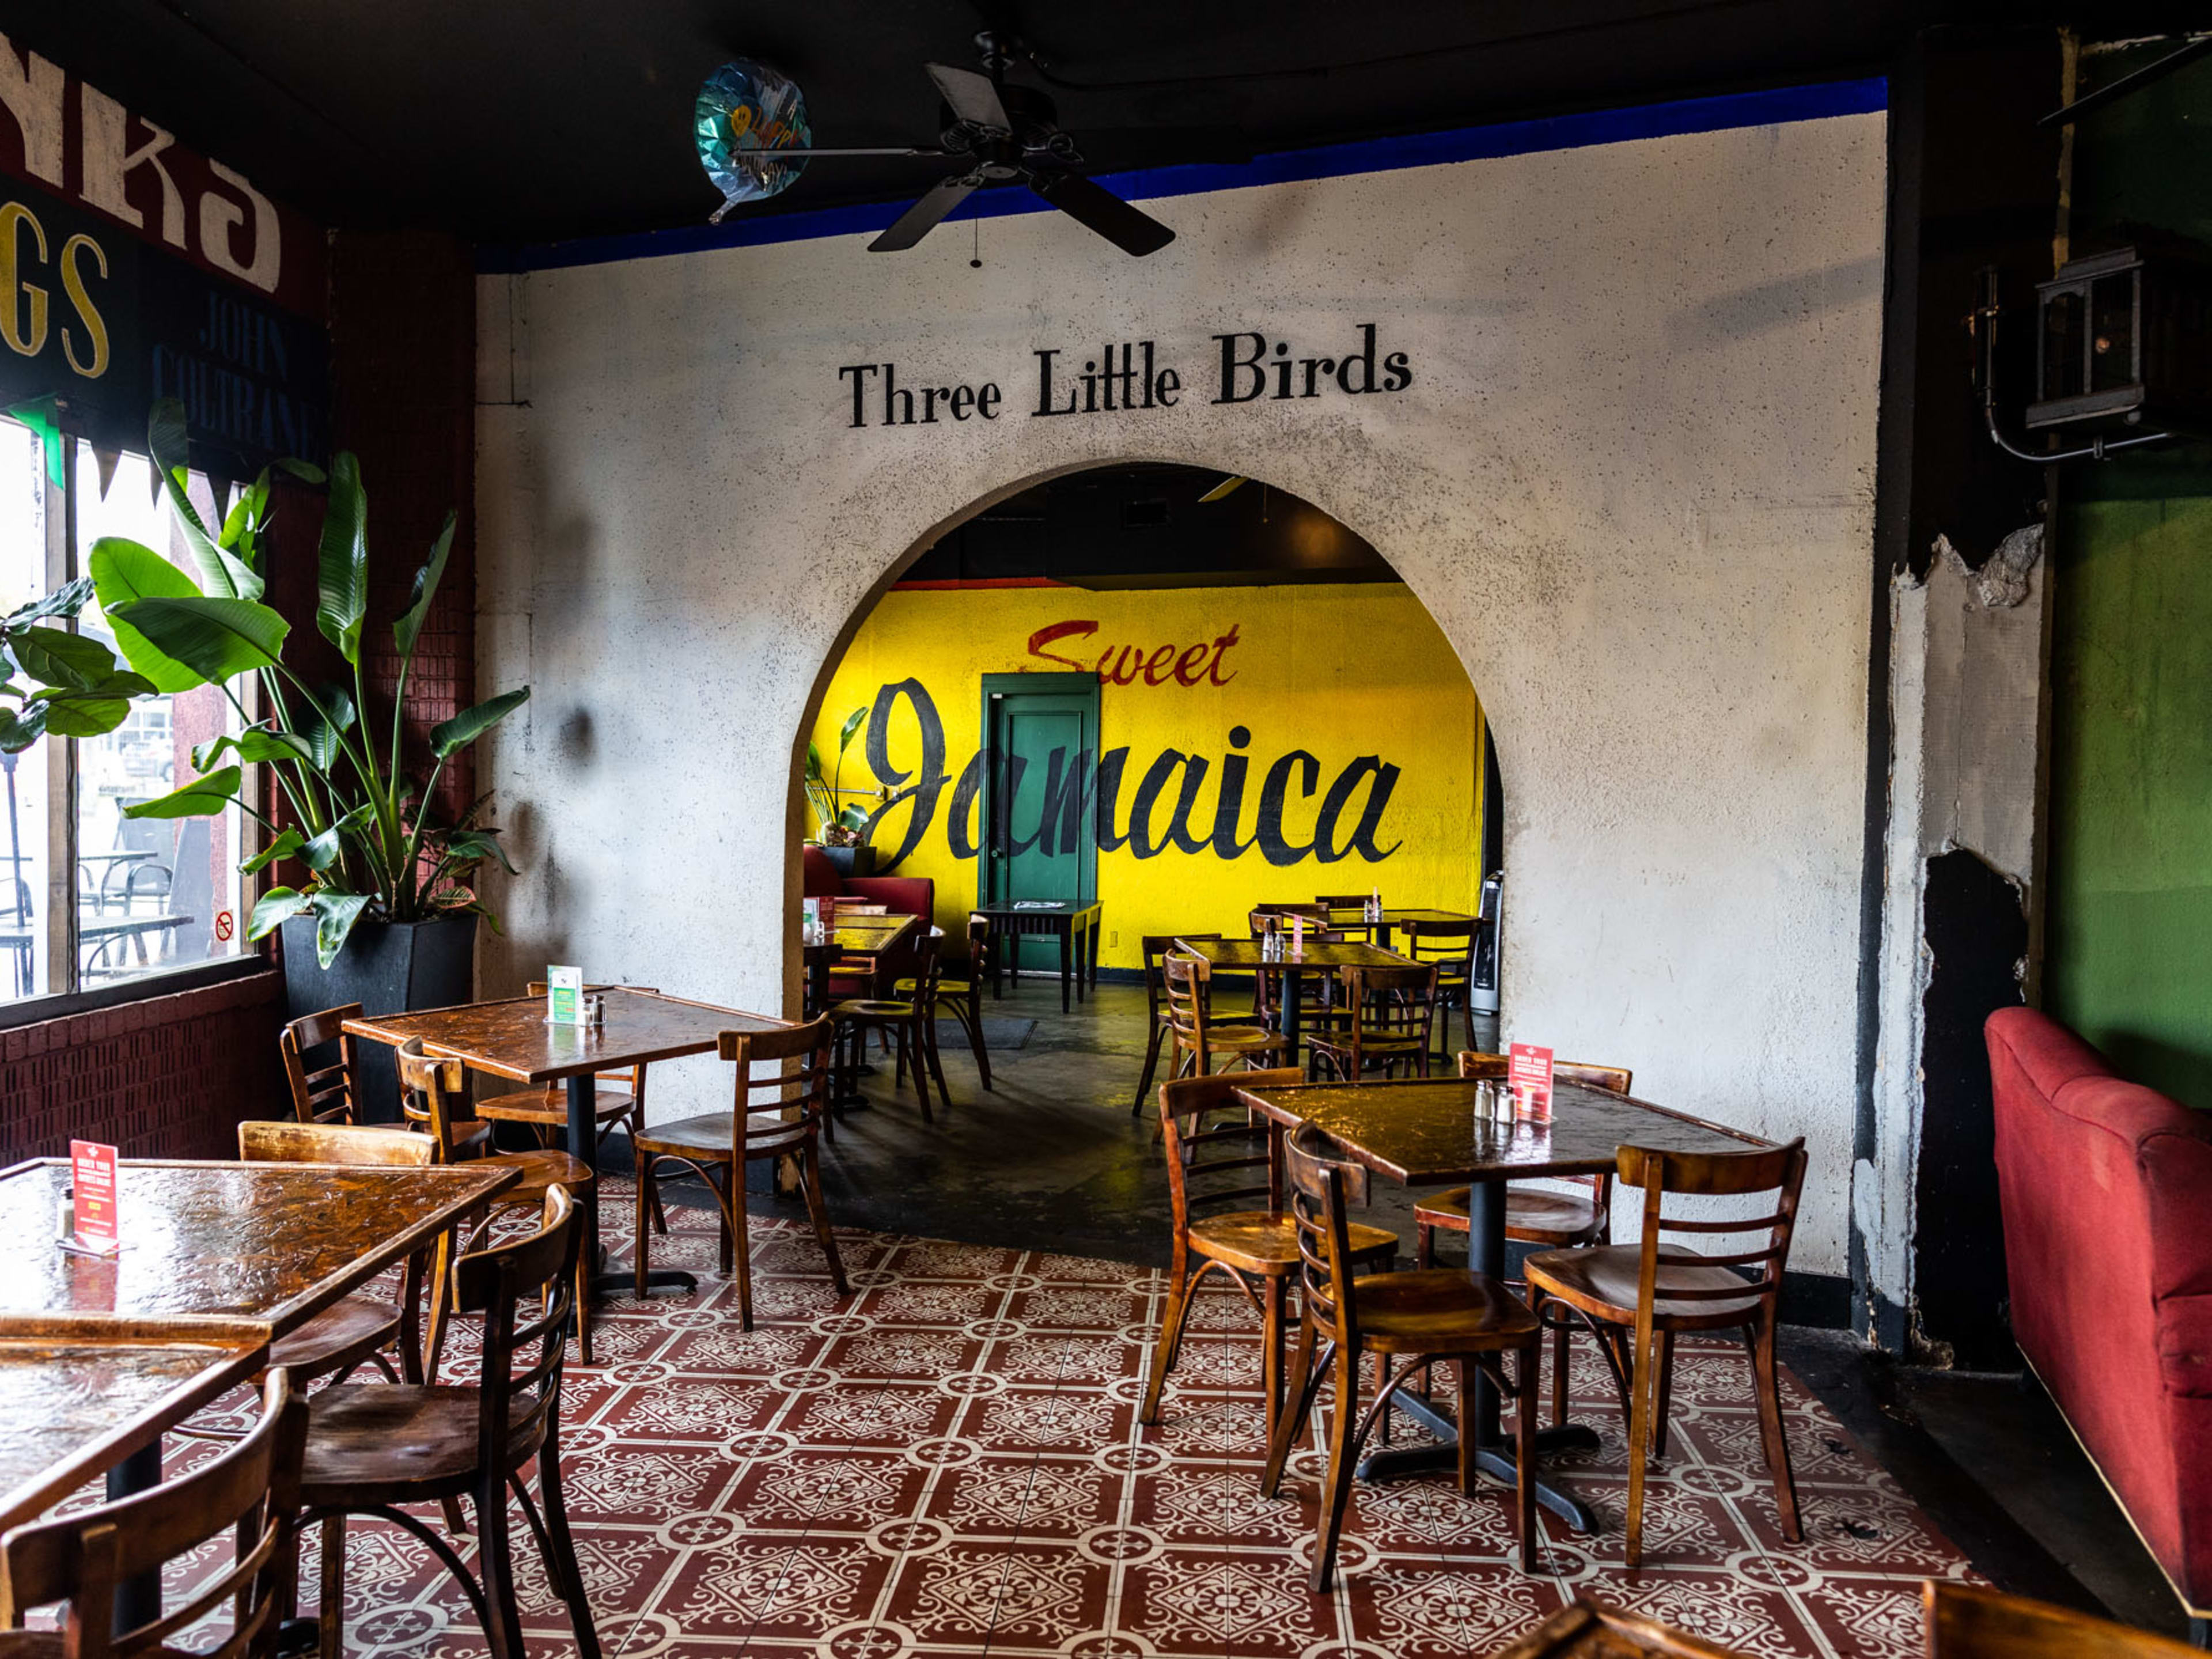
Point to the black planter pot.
(389, 967)
(853, 861)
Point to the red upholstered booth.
(2107, 1193)
(910, 895)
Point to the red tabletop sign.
(1530, 1073)
(92, 1178)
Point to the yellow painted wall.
(1339, 672)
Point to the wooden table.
(512, 1039)
(271, 1245)
(1425, 1132)
(872, 938)
(79, 1397)
(1076, 926)
(1293, 969)
(1343, 918)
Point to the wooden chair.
(1386, 1019)
(1966, 1622)
(327, 1094)
(1156, 947)
(1186, 987)
(250, 1491)
(1450, 946)
(372, 1451)
(1267, 983)
(790, 1120)
(960, 988)
(1534, 1215)
(1426, 1314)
(430, 1093)
(1634, 1297)
(362, 1327)
(905, 1022)
(1591, 1630)
(1255, 1248)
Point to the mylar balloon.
(745, 113)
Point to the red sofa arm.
(2177, 1174)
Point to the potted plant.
(844, 831)
(385, 912)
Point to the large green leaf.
(221, 571)
(286, 844)
(408, 628)
(82, 714)
(328, 714)
(19, 732)
(851, 724)
(474, 844)
(216, 638)
(322, 851)
(64, 601)
(450, 737)
(334, 915)
(124, 570)
(273, 908)
(342, 565)
(53, 656)
(200, 799)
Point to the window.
(100, 899)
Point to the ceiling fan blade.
(1135, 232)
(918, 220)
(1232, 481)
(972, 96)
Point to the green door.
(1041, 777)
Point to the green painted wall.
(2128, 957)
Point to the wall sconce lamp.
(2123, 341)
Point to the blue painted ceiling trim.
(1688, 115)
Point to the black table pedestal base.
(1498, 1462)
(656, 1279)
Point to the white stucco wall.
(1632, 480)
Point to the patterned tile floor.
(950, 1463)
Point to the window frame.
(63, 940)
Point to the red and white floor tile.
(948, 1464)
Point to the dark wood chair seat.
(380, 1443)
(1601, 1283)
(1437, 1310)
(1534, 1215)
(712, 1132)
(548, 1108)
(356, 1328)
(1254, 1242)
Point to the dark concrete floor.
(1054, 1159)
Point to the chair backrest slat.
(332, 1143)
(1754, 1170)
(1321, 1185)
(324, 1094)
(803, 1091)
(1184, 1105)
(430, 1093)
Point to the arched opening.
(1132, 702)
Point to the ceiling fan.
(1003, 133)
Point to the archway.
(1274, 717)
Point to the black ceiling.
(540, 119)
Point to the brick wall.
(167, 1076)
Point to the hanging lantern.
(747, 111)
